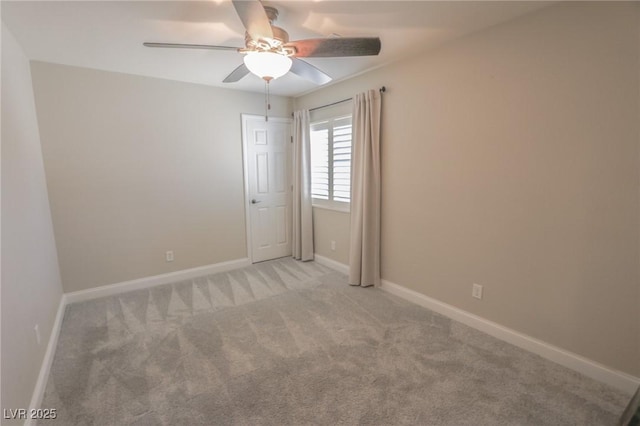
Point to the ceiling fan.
(269, 54)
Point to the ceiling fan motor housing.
(275, 44)
(272, 13)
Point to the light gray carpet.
(290, 343)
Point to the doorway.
(267, 176)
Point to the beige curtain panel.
(364, 256)
(302, 238)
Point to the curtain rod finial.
(383, 89)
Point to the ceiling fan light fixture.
(267, 65)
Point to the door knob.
(254, 201)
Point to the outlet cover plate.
(476, 291)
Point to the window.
(331, 163)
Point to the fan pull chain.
(266, 100)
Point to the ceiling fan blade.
(189, 46)
(237, 74)
(254, 18)
(336, 47)
(308, 71)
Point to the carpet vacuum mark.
(290, 343)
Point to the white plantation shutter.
(331, 162)
(342, 160)
(320, 161)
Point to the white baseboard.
(45, 368)
(589, 368)
(333, 264)
(146, 282)
(582, 365)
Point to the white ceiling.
(108, 35)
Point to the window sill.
(345, 209)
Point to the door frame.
(245, 174)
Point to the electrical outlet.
(476, 291)
(333, 246)
(169, 256)
(37, 331)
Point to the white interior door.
(267, 152)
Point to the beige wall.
(31, 289)
(137, 166)
(510, 159)
(331, 225)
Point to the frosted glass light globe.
(267, 65)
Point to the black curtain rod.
(382, 90)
